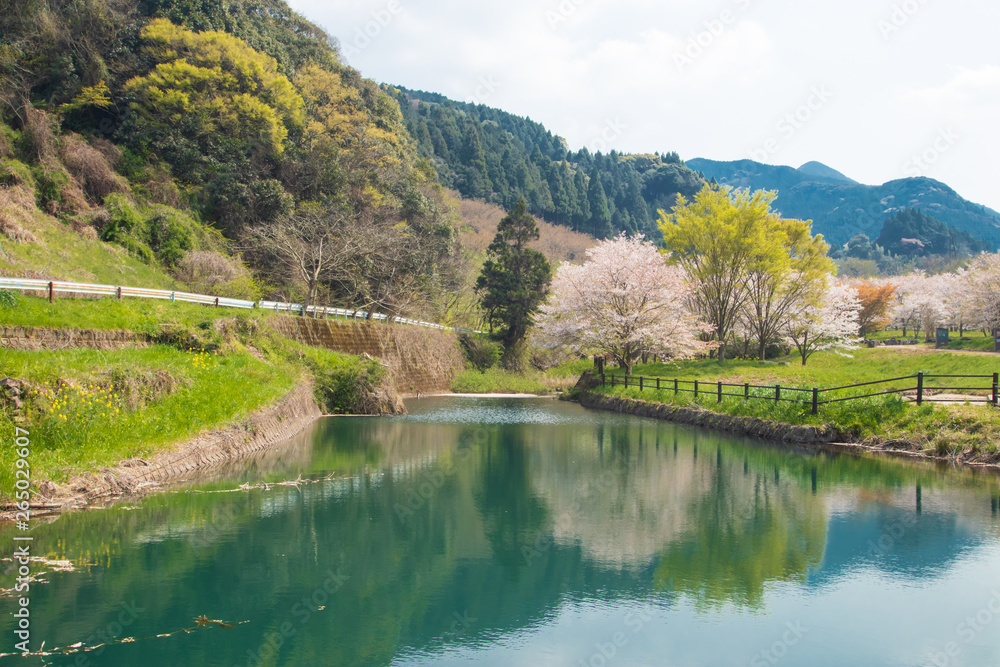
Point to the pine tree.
(513, 284)
(600, 214)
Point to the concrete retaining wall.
(38, 338)
(419, 359)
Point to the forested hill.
(488, 154)
(841, 208)
(152, 124)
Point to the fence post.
(658, 385)
(676, 389)
(640, 383)
(815, 400)
(996, 385)
(604, 380)
(216, 302)
(920, 388)
(51, 289)
(746, 390)
(777, 393)
(171, 297)
(696, 389)
(119, 293)
(720, 393)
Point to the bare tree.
(312, 246)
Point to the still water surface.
(531, 532)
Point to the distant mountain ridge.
(840, 207)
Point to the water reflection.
(518, 532)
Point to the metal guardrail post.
(119, 291)
(920, 388)
(171, 297)
(51, 289)
(216, 302)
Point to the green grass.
(70, 256)
(129, 403)
(148, 316)
(969, 430)
(825, 369)
(497, 381)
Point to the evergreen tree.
(600, 213)
(513, 283)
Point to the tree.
(600, 213)
(791, 269)
(513, 283)
(829, 324)
(624, 301)
(876, 298)
(718, 237)
(311, 246)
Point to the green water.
(530, 532)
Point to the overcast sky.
(878, 89)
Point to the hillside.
(841, 208)
(489, 154)
(191, 138)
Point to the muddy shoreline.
(825, 439)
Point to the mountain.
(821, 171)
(840, 207)
(498, 157)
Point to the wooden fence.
(922, 391)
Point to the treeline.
(498, 157)
(239, 113)
(909, 240)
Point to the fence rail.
(921, 392)
(51, 287)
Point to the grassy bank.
(499, 381)
(88, 409)
(970, 431)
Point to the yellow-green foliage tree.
(750, 266)
(220, 83)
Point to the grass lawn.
(946, 429)
(498, 381)
(148, 316)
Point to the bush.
(91, 168)
(209, 272)
(14, 172)
(481, 352)
(170, 234)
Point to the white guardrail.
(53, 286)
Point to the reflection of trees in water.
(748, 530)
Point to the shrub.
(91, 168)
(480, 352)
(170, 234)
(210, 272)
(14, 172)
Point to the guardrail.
(53, 286)
(922, 392)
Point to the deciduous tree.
(624, 301)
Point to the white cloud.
(602, 60)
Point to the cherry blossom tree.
(829, 323)
(982, 292)
(623, 302)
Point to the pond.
(496, 531)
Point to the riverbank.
(821, 437)
(137, 477)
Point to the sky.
(877, 89)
